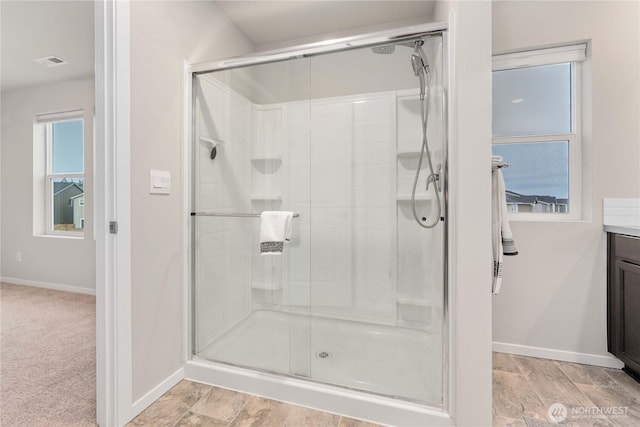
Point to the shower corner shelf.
(408, 154)
(266, 286)
(266, 197)
(407, 198)
(275, 159)
(404, 300)
(415, 324)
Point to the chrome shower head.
(420, 65)
(419, 61)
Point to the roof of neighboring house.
(532, 199)
(59, 187)
(76, 196)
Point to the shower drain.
(323, 355)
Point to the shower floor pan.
(385, 360)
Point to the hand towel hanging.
(502, 237)
(275, 229)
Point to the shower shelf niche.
(274, 159)
(406, 300)
(266, 197)
(419, 198)
(266, 286)
(414, 312)
(408, 154)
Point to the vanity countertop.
(623, 229)
(621, 216)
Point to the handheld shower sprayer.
(418, 70)
(420, 67)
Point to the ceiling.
(33, 29)
(273, 22)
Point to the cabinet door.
(628, 315)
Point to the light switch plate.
(159, 182)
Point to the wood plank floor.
(194, 404)
(527, 389)
(524, 389)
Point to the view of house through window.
(65, 176)
(537, 176)
(536, 129)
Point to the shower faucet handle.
(435, 179)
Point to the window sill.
(62, 236)
(515, 218)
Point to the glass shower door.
(376, 276)
(242, 309)
(356, 298)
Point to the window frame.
(573, 55)
(48, 120)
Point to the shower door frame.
(307, 391)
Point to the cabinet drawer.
(627, 247)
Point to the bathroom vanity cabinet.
(623, 294)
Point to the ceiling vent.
(50, 61)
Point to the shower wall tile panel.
(331, 247)
(420, 250)
(299, 198)
(344, 174)
(409, 125)
(266, 181)
(222, 293)
(338, 170)
(374, 147)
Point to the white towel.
(501, 234)
(496, 161)
(275, 229)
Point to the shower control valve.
(435, 179)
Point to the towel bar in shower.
(234, 215)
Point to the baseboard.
(47, 285)
(154, 394)
(563, 355)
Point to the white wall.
(554, 292)
(163, 35)
(64, 263)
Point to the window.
(537, 130)
(64, 172)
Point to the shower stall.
(351, 137)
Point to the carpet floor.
(47, 358)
